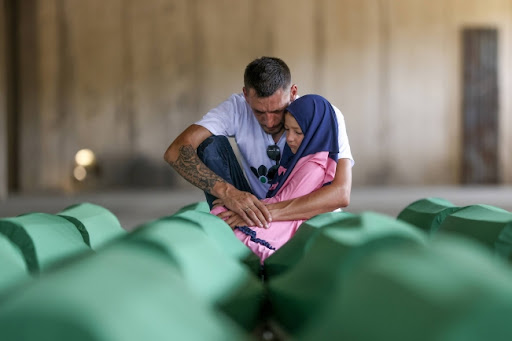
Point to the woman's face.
(294, 135)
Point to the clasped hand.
(243, 209)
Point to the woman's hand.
(233, 219)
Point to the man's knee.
(213, 145)
(218, 155)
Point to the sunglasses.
(274, 153)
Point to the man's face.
(269, 111)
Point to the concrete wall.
(125, 77)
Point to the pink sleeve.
(307, 179)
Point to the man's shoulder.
(229, 118)
(238, 98)
(234, 104)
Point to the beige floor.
(134, 207)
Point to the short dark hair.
(266, 75)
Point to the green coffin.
(300, 293)
(126, 292)
(43, 238)
(428, 213)
(293, 251)
(96, 224)
(13, 268)
(213, 275)
(450, 290)
(217, 230)
(491, 226)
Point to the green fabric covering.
(128, 291)
(428, 213)
(217, 230)
(291, 252)
(301, 292)
(503, 245)
(490, 225)
(201, 206)
(213, 275)
(197, 213)
(96, 224)
(253, 263)
(13, 268)
(450, 289)
(43, 238)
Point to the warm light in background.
(86, 168)
(85, 158)
(80, 173)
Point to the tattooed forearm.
(193, 170)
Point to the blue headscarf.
(317, 120)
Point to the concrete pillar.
(3, 102)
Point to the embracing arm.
(182, 156)
(325, 199)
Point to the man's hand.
(181, 155)
(248, 208)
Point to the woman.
(308, 163)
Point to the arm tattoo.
(193, 170)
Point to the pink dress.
(310, 173)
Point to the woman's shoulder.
(320, 158)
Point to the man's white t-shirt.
(235, 118)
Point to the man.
(256, 120)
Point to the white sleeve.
(345, 152)
(224, 119)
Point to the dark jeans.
(216, 153)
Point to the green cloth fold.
(96, 224)
(43, 238)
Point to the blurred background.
(93, 92)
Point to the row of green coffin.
(371, 277)
(127, 291)
(342, 273)
(489, 225)
(167, 280)
(364, 276)
(34, 241)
